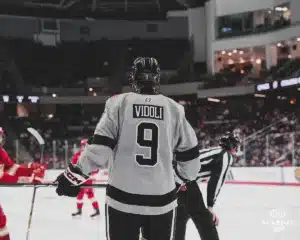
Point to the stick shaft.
(31, 213)
(100, 185)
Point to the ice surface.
(245, 212)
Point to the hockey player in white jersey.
(140, 133)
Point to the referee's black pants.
(191, 205)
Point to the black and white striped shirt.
(215, 163)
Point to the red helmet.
(2, 137)
(83, 142)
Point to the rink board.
(239, 175)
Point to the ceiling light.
(213, 100)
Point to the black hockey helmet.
(229, 141)
(145, 75)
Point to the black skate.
(95, 214)
(78, 213)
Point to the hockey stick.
(41, 142)
(100, 185)
(31, 212)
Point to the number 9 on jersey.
(147, 137)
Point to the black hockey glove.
(68, 183)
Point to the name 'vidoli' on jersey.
(148, 111)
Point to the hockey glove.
(69, 182)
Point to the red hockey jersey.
(10, 171)
(3, 230)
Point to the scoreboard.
(278, 85)
(19, 99)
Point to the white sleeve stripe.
(3, 232)
(209, 153)
(207, 161)
(201, 174)
(38, 179)
(225, 166)
(13, 170)
(1, 172)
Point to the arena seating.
(245, 115)
(70, 64)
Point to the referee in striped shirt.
(215, 163)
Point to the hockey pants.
(127, 226)
(91, 196)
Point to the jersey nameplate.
(148, 111)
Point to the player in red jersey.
(3, 230)
(85, 191)
(11, 172)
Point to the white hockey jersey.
(140, 134)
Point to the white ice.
(245, 213)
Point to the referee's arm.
(217, 177)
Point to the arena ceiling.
(144, 9)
